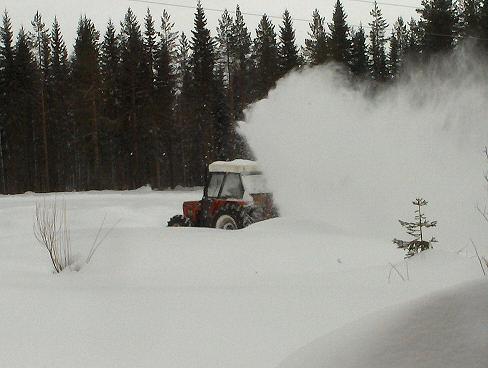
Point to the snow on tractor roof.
(236, 166)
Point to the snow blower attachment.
(235, 196)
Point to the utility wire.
(387, 4)
(302, 19)
(215, 10)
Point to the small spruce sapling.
(416, 229)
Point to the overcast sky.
(68, 12)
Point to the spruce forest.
(143, 104)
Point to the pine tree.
(60, 128)
(316, 51)
(151, 140)
(111, 132)
(359, 54)
(339, 39)
(240, 84)
(393, 56)
(150, 48)
(86, 100)
(265, 54)
(134, 95)
(21, 161)
(224, 45)
(413, 45)
(42, 52)
(377, 45)
(288, 51)
(202, 64)
(439, 24)
(398, 47)
(184, 113)
(223, 127)
(165, 135)
(6, 89)
(416, 230)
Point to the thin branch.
(477, 255)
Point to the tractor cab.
(235, 195)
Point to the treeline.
(146, 105)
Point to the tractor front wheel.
(179, 221)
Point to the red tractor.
(235, 196)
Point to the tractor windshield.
(232, 186)
(214, 184)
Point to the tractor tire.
(232, 217)
(179, 221)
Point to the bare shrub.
(52, 232)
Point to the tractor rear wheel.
(179, 221)
(232, 217)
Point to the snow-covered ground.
(185, 297)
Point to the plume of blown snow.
(335, 153)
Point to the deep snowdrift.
(444, 330)
(356, 162)
(176, 297)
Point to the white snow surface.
(154, 296)
(444, 330)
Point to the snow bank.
(445, 330)
(357, 162)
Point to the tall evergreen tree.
(316, 51)
(165, 134)
(20, 132)
(86, 101)
(240, 83)
(150, 46)
(183, 109)
(288, 51)
(378, 67)
(339, 39)
(223, 126)
(133, 96)
(439, 24)
(265, 54)
(111, 132)
(359, 54)
(6, 89)
(225, 45)
(60, 125)
(240, 88)
(42, 52)
(413, 46)
(393, 56)
(202, 64)
(398, 47)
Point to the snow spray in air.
(333, 154)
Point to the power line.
(387, 4)
(216, 10)
(302, 19)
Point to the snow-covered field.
(184, 297)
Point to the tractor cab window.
(232, 186)
(214, 184)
